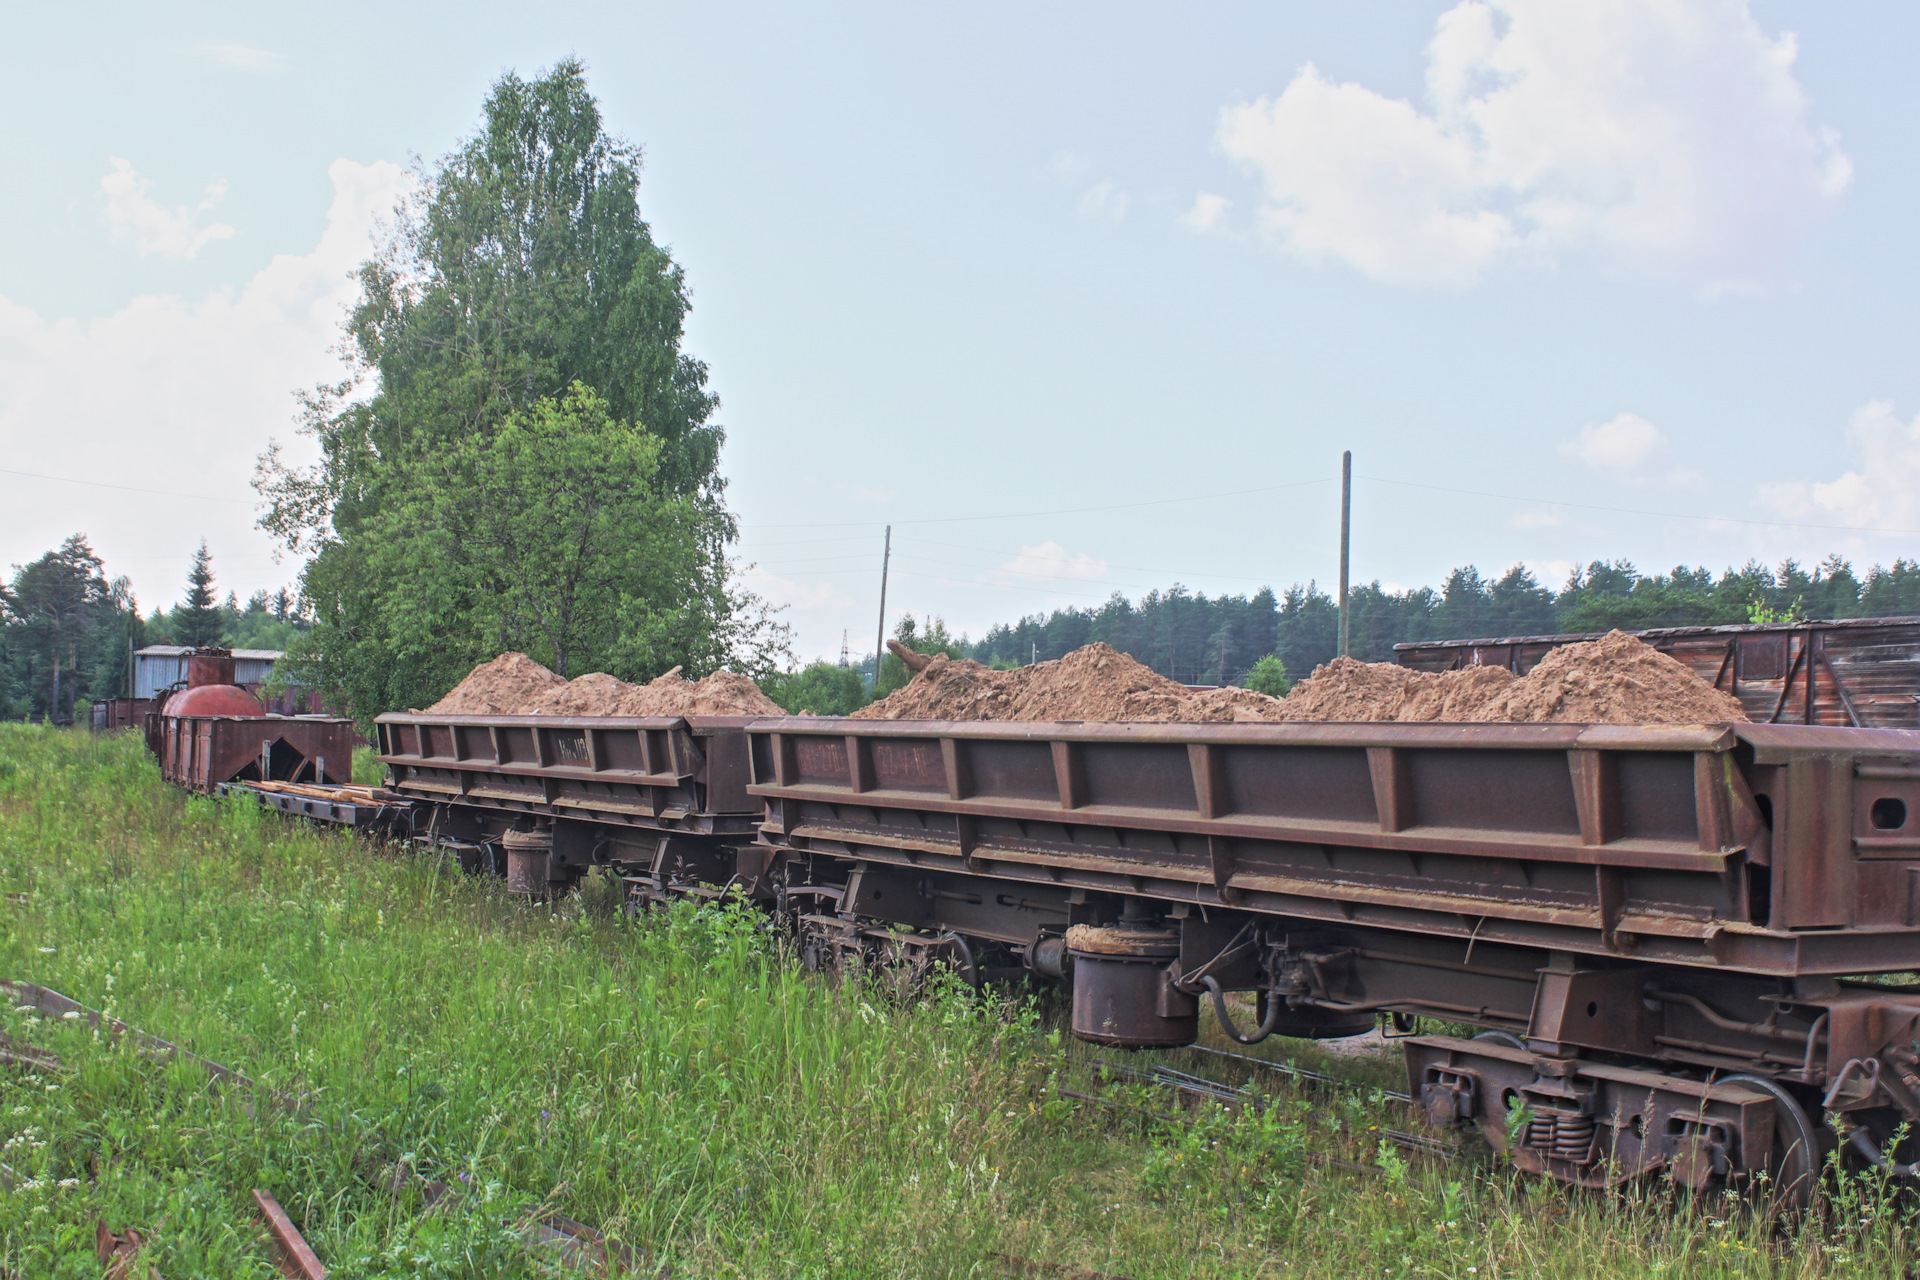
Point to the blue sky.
(1634, 282)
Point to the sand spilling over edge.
(1614, 680)
(514, 684)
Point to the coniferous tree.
(199, 622)
(61, 635)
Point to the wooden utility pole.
(880, 636)
(1346, 536)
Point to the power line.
(124, 488)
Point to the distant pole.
(880, 637)
(1346, 537)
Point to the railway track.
(1242, 1095)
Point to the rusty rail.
(296, 1258)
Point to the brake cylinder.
(1123, 993)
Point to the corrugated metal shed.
(159, 667)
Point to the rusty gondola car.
(214, 732)
(541, 798)
(1859, 672)
(1653, 927)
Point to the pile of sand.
(1346, 689)
(500, 687)
(514, 684)
(1614, 680)
(721, 694)
(1096, 682)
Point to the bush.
(1269, 676)
(822, 689)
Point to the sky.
(1077, 298)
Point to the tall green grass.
(673, 1080)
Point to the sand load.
(514, 684)
(1096, 682)
(499, 687)
(1614, 680)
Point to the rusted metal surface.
(119, 1252)
(213, 731)
(113, 714)
(1720, 846)
(577, 1246)
(660, 773)
(337, 805)
(1123, 987)
(201, 752)
(296, 1258)
(1598, 1124)
(1857, 672)
(48, 1003)
(1647, 921)
(1668, 898)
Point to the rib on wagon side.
(1652, 925)
(661, 799)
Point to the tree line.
(67, 630)
(1268, 639)
(1197, 639)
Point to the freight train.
(1616, 952)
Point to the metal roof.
(181, 651)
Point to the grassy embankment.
(672, 1080)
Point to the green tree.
(61, 628)
(522, 298)
(821, 689)
(557, 542)
(1269, 676)
(199, 621)
(934, 639)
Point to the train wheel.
(1793, 1166)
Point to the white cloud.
(132, 214)
(1103, 200)
(1880, 491)
(1629, 448)
(1551, 574)
(1666, 135)
(1206, 212)
(176, 395)
(242, 57)
(1071, 166)
(1051, 560)
(796, 595)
